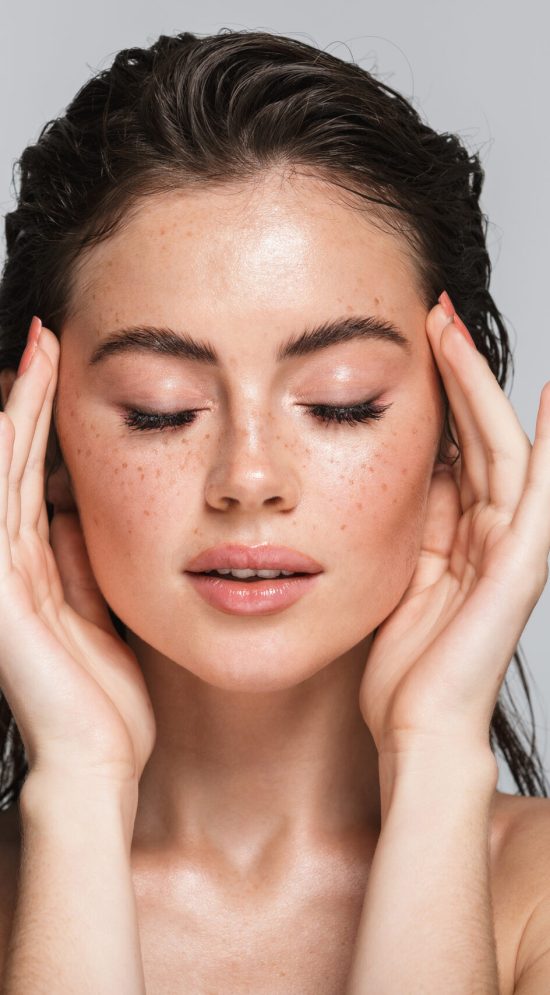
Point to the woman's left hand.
(437, 663)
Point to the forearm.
(75, 924)
(427, 923)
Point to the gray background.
(480, 68)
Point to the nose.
(253, 469)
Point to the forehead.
(274, 247)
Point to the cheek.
(128, 495)
(378, 508)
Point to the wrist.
(449, 771)
(87, 804)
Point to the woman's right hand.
(74, 687)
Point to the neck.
(236, 771)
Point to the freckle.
(124, 465)
(371, 469)
(342, 527)
(116, 469)
(394, 501)
(384, 487)
(207, 436)
(359, 506)
(140, 469)
(143, 476)
(88, 452)
(79, 451)
(71, 412)
(96, 520)
(157, 473)
(148, 513)
(405, 470)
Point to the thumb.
(77, 578)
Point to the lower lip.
(260, 597)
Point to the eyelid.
(361, 413)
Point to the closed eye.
(353, 414)
(350, 415)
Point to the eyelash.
(327, 414)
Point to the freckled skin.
(245, 271)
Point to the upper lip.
(262, 557)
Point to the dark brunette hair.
(224, 108)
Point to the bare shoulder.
(519, 822)
(520, 842)
(520, 858)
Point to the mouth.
(262, 560)
(250, 576)
(251, 595)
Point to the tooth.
(264, 574)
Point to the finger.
(506, 446)
(7, 439)
(23, 407)
(474, 481)
(32, 484)
(532, 517)
(443, 514)
(43, 526)
(79, 584)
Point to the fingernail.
(31, 346)
(446, 304)
(449, 309)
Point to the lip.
(263, 597)
(259, 557)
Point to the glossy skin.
(251, 712)
(260, 802)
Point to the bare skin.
(260, 752)
(194, 926)
(262, 789)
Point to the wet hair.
(189, 112)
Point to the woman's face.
(246, 270)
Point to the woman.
(243, 257)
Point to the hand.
(437, 663)
(75, 688)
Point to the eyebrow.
(168, 342)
